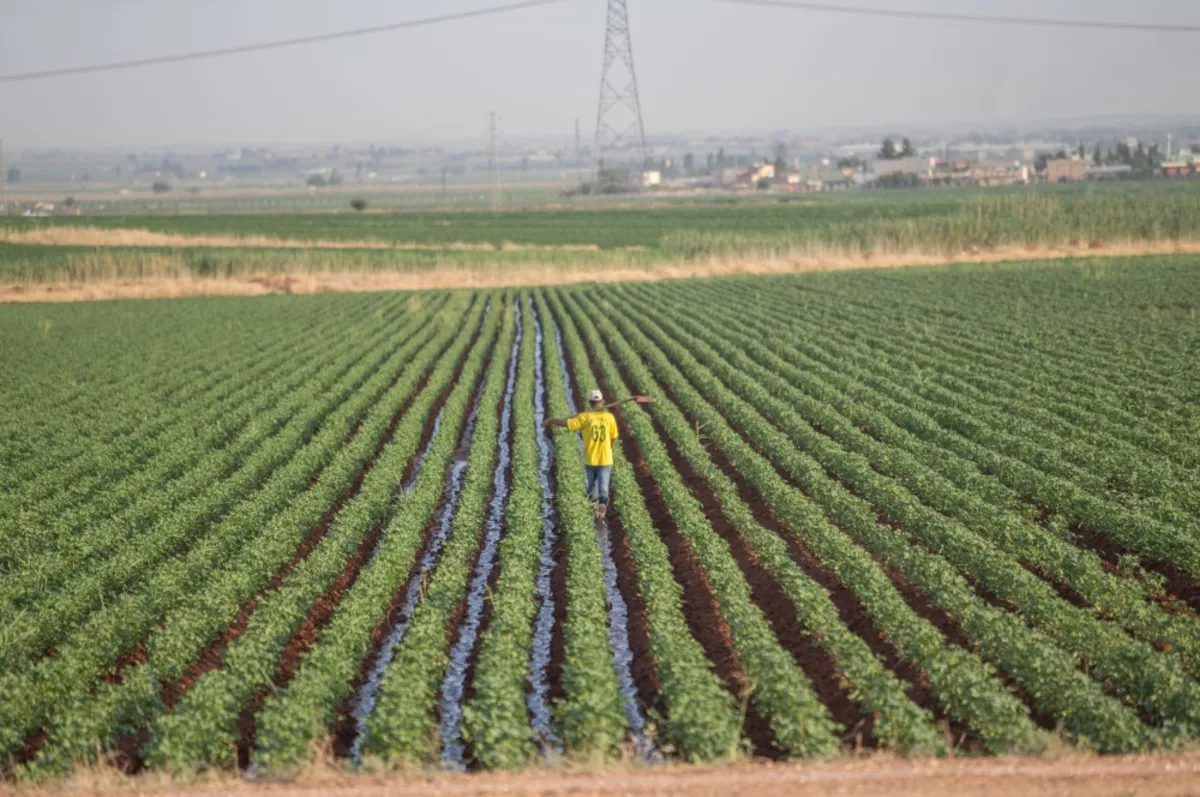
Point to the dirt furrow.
(700, 607)
(349, 729)
(471, 618)
(212, 657)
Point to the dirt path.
(1075, 775)
(535, 274)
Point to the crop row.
(974, 442)
(116, 475)
(252, 543)
(127, 533)
(495, 720)
(781, 691)
(203, 727)
(403, 725)
(920, 468)
(1098, 460)
(897, 721)
(1079, 702)
(309, 706)
(137, 407)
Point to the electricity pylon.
(619, 119)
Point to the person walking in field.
(598, 427)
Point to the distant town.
(517, 171)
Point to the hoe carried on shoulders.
(637, 399)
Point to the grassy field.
(927, 511)
(485, 248)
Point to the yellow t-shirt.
(599, 429)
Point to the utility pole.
(619, 116)
(578, 161)
(493, 161)
(443, 185)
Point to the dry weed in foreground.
(540, 274)
(1075, 775)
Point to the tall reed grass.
(1012, 222)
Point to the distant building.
(1178, 168)
(1112, 171)
(803, 182)
(920, 166)
(651, 178)
(764, 171)
(744, 176)
(1066, 170)
(997, 174)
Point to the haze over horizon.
(701, 66)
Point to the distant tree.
(781, 151)
(1098, 156)
(316, 181)
(1040, 162)
(69, 202)
(851, 162)
(780, 165)
(1142, 159)
(14, 176)
(906, 149)
(358, 171)
(611, 181)
(887, 152)
(358, 204)
(1082, 151)
(689, 162)
(721, 157)
(160, 187)
(335, 178)
(763, 184)
(525, 164)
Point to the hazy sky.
(702, 65)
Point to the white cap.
(596, 395)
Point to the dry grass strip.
(540, 274)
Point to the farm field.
(927, 511)
(256, 252)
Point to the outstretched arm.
(551, 423)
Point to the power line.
(952, 17)
(272, 45)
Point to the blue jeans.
(598, 478)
